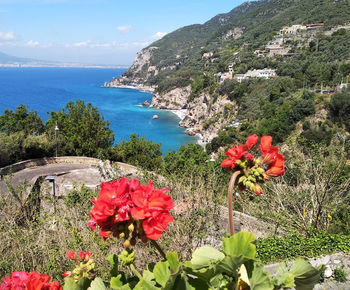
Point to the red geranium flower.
(123, 202)
(234, 154)
(71, 255)
(271, 162)
(29, 281)
(251, 141)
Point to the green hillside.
(259, 20)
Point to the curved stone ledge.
(89, 161)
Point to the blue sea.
(49, 89)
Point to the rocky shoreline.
(116, 84)
(203, 117)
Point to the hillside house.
(260, 53)
(277, 50)
(257, 73)
(275, 43)
(292, 30)
(230, 67)
(225, 76)
(314, 26)
(207, 54)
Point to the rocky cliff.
(205, 114)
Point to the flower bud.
(121, 235)
(131, 227)
(126, 244)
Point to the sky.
(106, 32)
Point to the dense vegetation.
(82, 131)
(312, 199)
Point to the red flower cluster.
(125, 207)
(29, 281)
(83, 256)
(255, 170)
(84, 267)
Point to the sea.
(49, 89)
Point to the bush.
(276, 249)
(340, 275)
(139, 152)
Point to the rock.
(328, 272)
(155, 117)
(145, 103)
(173, 100)
(207, 115)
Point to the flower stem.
(230, 200)
(159, 249)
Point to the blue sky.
(96, 31)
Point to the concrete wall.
(59, 160)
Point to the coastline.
(180, 113)
(137, 87)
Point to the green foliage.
(235, 266)
(82, 131)
(340, 107)
(22, 136)
(189, 158)
(21, 121)
(139, 152)
(341, 219)
(276, 249)
(78, 196)
(340, 275)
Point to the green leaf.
(174, 263)
(306, 276)
(147, 275)
(204, 273)
(183, 282)
(230, 265)
(97, 284)
(283, 278)
(113, 261)
(220, 281)
(145, 285)
(205, 256)
(117, 284)
(161, 273)
(259, 279)
(70, 284)
(240, 244)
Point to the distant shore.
(58, 65)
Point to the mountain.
(14, 61)
(305, 43)
(9, 59)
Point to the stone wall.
(88, 161)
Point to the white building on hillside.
(257, 73)
(292, 30)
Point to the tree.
(22, 136)
(340, 107)
(21, 121)
(82, 130)
(189, 158)
(139, 152)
